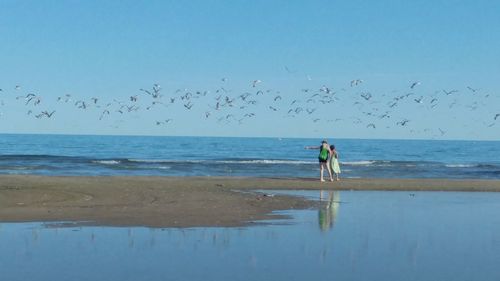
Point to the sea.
(92, 155)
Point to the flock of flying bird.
(226, 106)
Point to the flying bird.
(472, 89)
(356, 82)
(414, 84)
(46, 113)
(188, 105)
(403, 123)
(105, 112)
(450, 92)
(366, 96)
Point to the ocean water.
(354, 235)
(259, 157)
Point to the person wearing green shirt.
(324, 153)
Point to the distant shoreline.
(180, 201)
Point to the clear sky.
(111, 49)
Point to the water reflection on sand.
(327, 212)
(376, 236)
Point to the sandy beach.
(180, 201)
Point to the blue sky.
(111, 49)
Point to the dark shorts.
(321, 161)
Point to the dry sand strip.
(179, 201)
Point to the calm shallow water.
(357, 235)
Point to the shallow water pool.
(354, 235)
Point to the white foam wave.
(459, 165)
(256, 161)
(107, 162)
(293, 162)
(358, 163)
(164, 161)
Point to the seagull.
(385, 115)
(496, 116)
(450, 92)
(104, 112)
(419, 100)
(81, 104)
(188, 105)
(325, 89)
(414, 84)
(356, 82)
(66, 98)
(26, 97)
(371, 125)
(366, 96)
(472, 89)
(403, 123)
(163, 122)
(156, 87)
(255, 82)
(288, 70)
(36, 100)
(46, 113)
(132, 108)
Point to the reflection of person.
(328, 212)
(324, 152)
(334, 162)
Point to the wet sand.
(179, 201)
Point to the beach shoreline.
(181, 201)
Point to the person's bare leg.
(329, 172)
(321, 172)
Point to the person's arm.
(312, 147)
